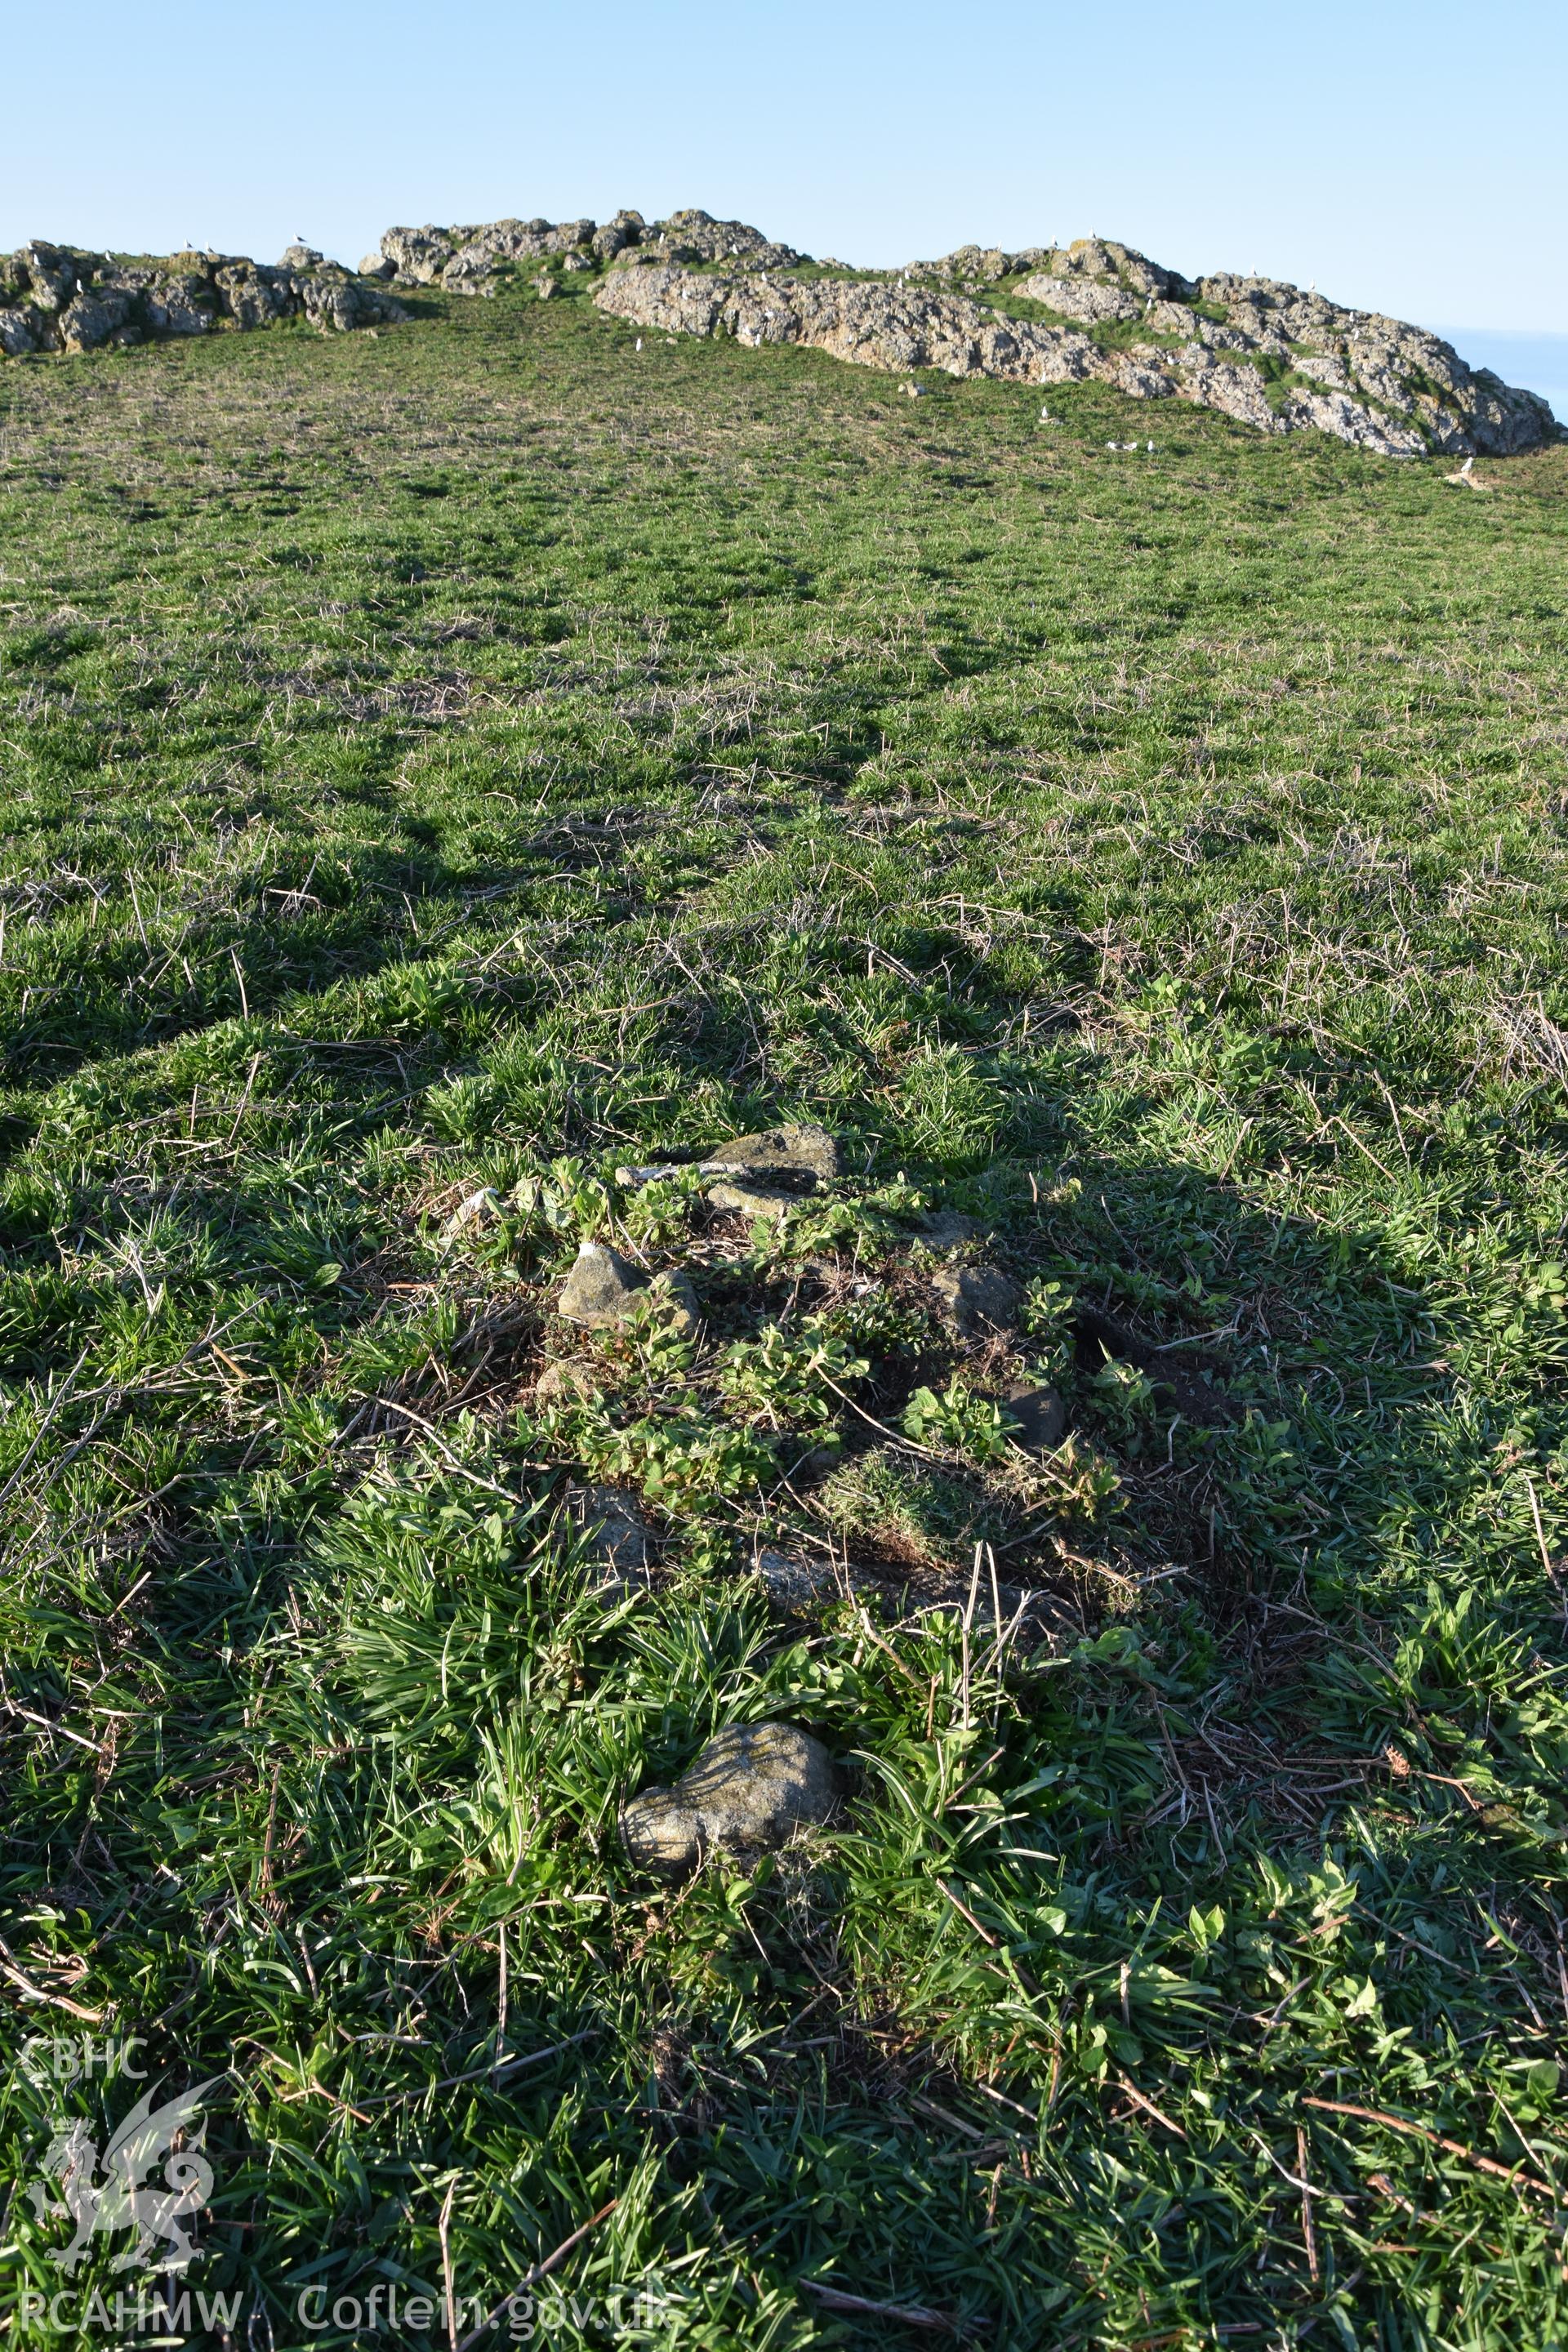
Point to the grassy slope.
(1161, 855)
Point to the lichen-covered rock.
(476, 258)
(1371, 381)
(600, 1288)
(57, 298)
(752, 1200)
(977, 1301)
(88, 319)
(332, 300)
(795, 1158)
(896, 327)
(1082, 299)
(748, 1791)
(695, 236)
(1348, 420)
(603, 1286)
(1236, 391)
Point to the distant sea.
(1534, 362)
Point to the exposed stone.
(614, 1531)
(695, 236)
(796, 1158)
(1234, 391)
(58, 298)
(752, 1200)
(565, 1380)
(794, 1581)
(747, 1793)
(475, 259)
(977, 1301)
(602, 1286)
(1082, 299)
(614, 236)
(301, 257)
(892, 326)
(1387, 386)
(948, 1229)
(1039, 1414)
(1348, 420)
(88, 319)
(684, 1313)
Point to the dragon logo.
(121, 2199)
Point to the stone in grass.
(1039, 1414)
(794, 1581)
(614, 1531)
(977, 1300)
(752, 1200)
(565, 1380)
(945, 1230)
(600, 1288)
(796, 1159)
(746, 1793)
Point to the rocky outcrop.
(56, 297)
(1258, 350)
(871, 323)
(481, 260)
(697, 237)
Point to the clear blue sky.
(1410, 158)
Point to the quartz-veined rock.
(796, 1158)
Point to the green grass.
(484, 755)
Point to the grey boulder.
(747, 1793)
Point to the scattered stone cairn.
(56, 297)
(764, 1175)
(747, 1793)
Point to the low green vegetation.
(441, 770)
